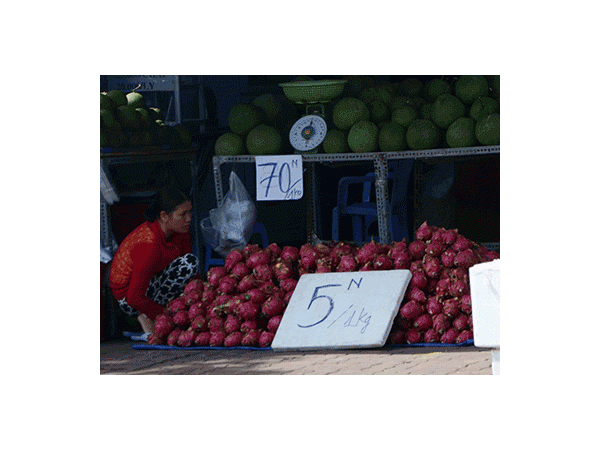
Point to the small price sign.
(342, 310)
(279, 177)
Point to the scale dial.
(308, 132)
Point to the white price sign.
(342, 310)
(279, 177)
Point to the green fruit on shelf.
(348, 111)
(423, 134)
(136, 100)
(264, 140)
(392, 137)
(362, 137)
(336, 141)
(229, 144)
(469, 88)
(461, 133)
(243, 118)
(487, 129)
(446, 109)
(118, 97)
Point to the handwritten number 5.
(318, 297)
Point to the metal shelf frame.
(380, 162)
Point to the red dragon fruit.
(186, 338)
(465, 304)
(458, 288)
(195, 285)
(450, 336)
(250, 338)
(432, 266)
(447, 257)
(288, 284)
(460, 322)
(275, 249)
(216, 323)
(441, 323)
(283, 269)
(240, 270)
(324, 265)
(247, 310)
(464, 336)
(423, 322)
(434, 306)
(263, 272)
(154, 339)
(461, 244)
(416, 295)
(191, 297)
(288, 296)
(202, 339)
(289, 253)
(175, 305)
(209, 295)
(232, 323)
(417, 249)
(449, 237)
(217, 338)
(173, 337)
(411, 310)
(418, 280)
(396, 337)
(258, 258)
(465, 258)
(233, 257)
(196, 309)
(443, 287)
(367, 252)
(309, 258)
(424, 232)
(256, 295)
(382, 262)
(181, 319)
(431, 285)
(273, 323)
(227, 284)
(214, 274)
(451, 307)
(248, 325)
(414, 336)
(265, 339)
(273, 306)
(434, 248)
(199, 323)
(250, 249)
(163, 325)
(233, 339)
(460, 273)
(347, 263)
(246, 283)
(431, 336)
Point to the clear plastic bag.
(230, 225)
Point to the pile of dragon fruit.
(242, 302)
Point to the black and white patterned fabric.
(168, 284)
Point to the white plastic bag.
(230, 225)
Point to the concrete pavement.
(119, 358)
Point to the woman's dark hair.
(166, 199)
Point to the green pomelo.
(446, 109)
(469, 88)
(494, 83)
(483, 106)
(145, 120)
(425, 111)
(392, 137)
(243, 118)
(136, 100)
(487, 130)
(270, 105)
(385, 93)
(128, 117)
(405, 115)
(106, 102)
(379, 111)
(336, 141)
(398, 101)
(434, 88)
(118, 97)
(461, 133)
(107, 118)
(263, 140)
(348, 111)
(369, 94)
(423, 134)
(229, 144)
(411, 87)
(362, 137)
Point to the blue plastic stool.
(364, 213)
(210, 260)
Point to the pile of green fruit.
(127, 122)
(371, 116)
